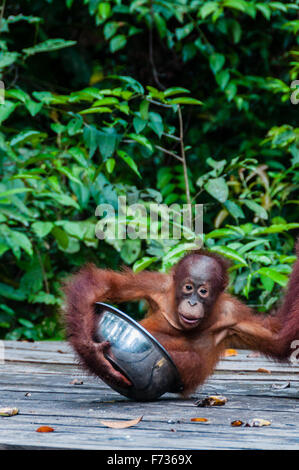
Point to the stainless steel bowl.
(137, 355)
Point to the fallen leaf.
(8, 411)
(212, 400)
(254, 354)
(76, 382)
(200, 420)
(257, 422)
(281, 386)
(44, 429)
(264, 371)
(230, 352)
(121, 424)
(60, 351)
(237, 422)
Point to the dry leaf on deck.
(200, 420)
(230, 352)
(254, 354)
(8, 411)
(264, 371)
(121, 424)
(212, 400)
(281, 386)
(257, 422)
(76, 382)
(237, 423)
(44, 429)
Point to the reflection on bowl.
(137, 355)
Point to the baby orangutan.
(189, 313)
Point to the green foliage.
(104, 99)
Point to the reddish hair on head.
(222, 262)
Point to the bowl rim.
(139, 327)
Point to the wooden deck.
(35, 378)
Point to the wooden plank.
(75, 411)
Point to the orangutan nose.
(192, 302)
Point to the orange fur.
(195, 351)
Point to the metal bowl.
(137, 355)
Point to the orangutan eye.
(188, 288)
(203, 291)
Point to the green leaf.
(106, 101)
(144, 105)
(49, 45)
(11, 293)
(156, 123)
(104, 10)
(175, 91)
(26, 323)
(136, 86)
(275, 228)
(7, 58)
(96, 110)
(129, 161)
(141, 139)
(217, 188)
(79, 155)
(90, 137)
(107, 143)
(144, 263)
(259, 210)
(229, 253)
(61, 238)
(118, 42)
(62, 199)
(217, 62)
(45, 298)
(184, 31)
(139, 124)
(237, 4)
(33, 107)
(130, 250)
(11, 192)
(24, 136)
(268, 283)
(236, 31)
(256, 257)
(281, 279)
(184, 100)
(264, 9)
(222, 78)
(74, 125)
(231, 91)
(110, 29)
(110, 164)
(208, 8)
(234, 209)
(65, 171)
(222, 233)
(6, 109)
(175, 253)
(42, 228)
